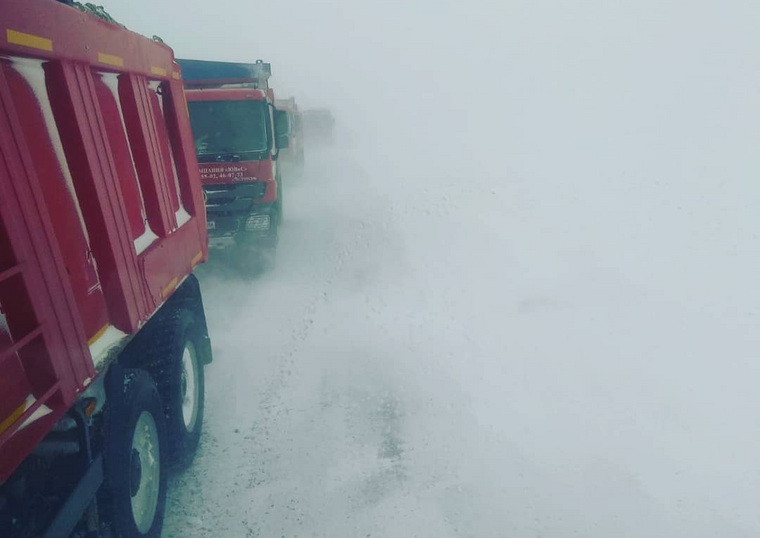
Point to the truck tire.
(279, 213)
(134, 452)
(174, 359)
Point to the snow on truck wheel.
(173, 354)
(134, 495)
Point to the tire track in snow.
(258, 493)
(277, 422)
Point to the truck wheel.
(177, 365)
(278, 206)
(135, 482)
(267, 251)
(190, 397)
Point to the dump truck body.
(101, 223)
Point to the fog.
(519, 295)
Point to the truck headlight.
(257, 223)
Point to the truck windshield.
(228, 128)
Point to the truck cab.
(238, 136)
(293, 156)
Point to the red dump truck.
(238, 137)
(293, 155)
(103, 336)
(318, 127)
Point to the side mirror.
(281, 129)
(283, 142)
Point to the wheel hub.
(135, 472)
(145, 472)
(183, 384)
(189, 387)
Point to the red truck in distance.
(318, 126)
(103, 338)
(238, 137)
(293, 155)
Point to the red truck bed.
(101, 209)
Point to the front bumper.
(256, 226)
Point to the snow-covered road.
(444, 361)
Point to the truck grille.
(233, 200)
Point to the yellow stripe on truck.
(169, 287)
(98, 334)
(110, 59)
(29, 40)
(12, 418)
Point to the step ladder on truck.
(103, 337)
